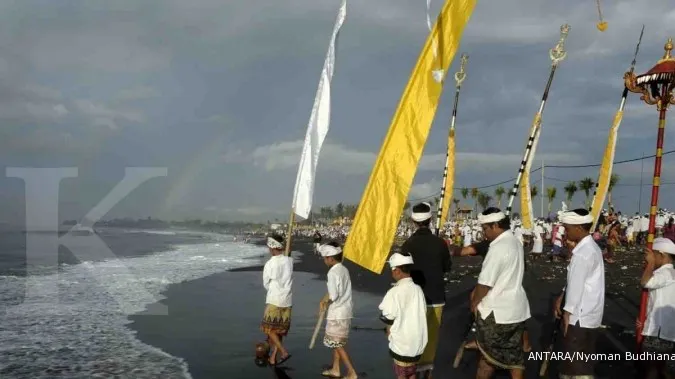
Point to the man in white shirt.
(467, 234)
(538, 246)
(404, 312)
(339, 306)
(584, 294)
(499, 300)
(278, 280)
(659, 328)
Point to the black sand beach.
(213, 322)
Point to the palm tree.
(586, 184)
(550, 194)
(339, 210)
(570, 190)
(613, 180)
(483, 200)
(456, 202)
(474, 195)
(534, 192)
(465, 193)
(499, 192)
(350, 211)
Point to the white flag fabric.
(319, 121)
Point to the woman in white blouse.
(659, 326)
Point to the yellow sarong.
(434, 314)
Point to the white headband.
(399, 260)
(422, 216)
(492, 217)
(571, 218)
(274, 244)
(329, 251)
(664, 245)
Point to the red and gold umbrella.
(656, 87)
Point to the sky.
(219, 93)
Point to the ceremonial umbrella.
(656, 87)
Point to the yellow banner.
(606, 169)
(526, 214)
(450, 177)
(372, 233)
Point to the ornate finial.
(669, 48)
(558, 53)
(602, 24)
(461, 75)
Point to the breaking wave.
(80, 332)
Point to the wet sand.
(213, 322)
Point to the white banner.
(319, 121)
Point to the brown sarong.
(579, 340)
(501, 344)
(276, 320)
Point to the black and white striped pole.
(557, 54)
(459, 78)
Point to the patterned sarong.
(657, 345)
(434, 314)
(337, 333)
(276, 320)
(404, 369)
(501, 344)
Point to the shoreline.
(542, 280)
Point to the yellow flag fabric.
(526, 213)
(450, 177)
(606, 169)
(374, 228)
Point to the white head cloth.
(274, 244)
(572, 218)
(664, 245)
(329, 251)
(397, 259)
(423, 216)
(492, 217)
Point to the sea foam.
(83, 333)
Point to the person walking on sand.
(404, 312)
(278, 280)
(432, 261)
(339, 306)
(317, 241)
(499, 301)
(584, 295)
(659, 329)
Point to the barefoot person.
(499, 300)
(432, 261)
(584, 295)
(338, 303)
(659, 327)
(278, 280)
(404, 312)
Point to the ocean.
(81, 330)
